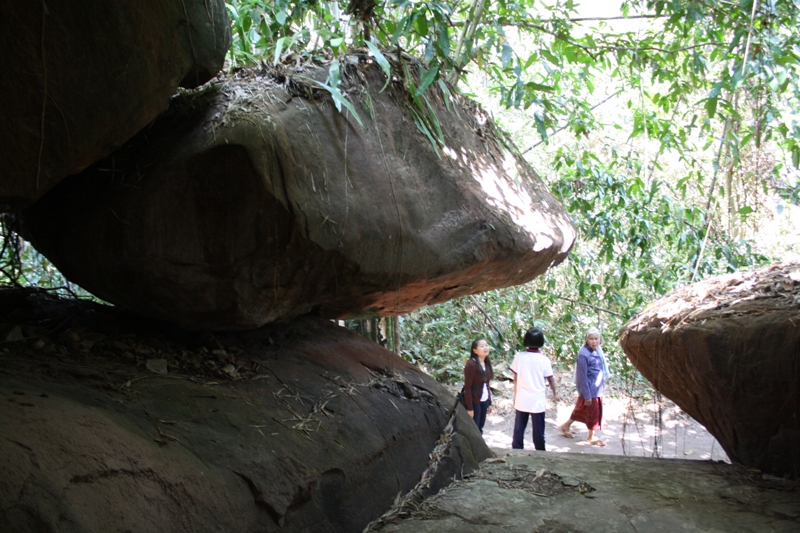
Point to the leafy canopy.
(708, 62)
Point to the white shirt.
(531, 369)
(485, 391)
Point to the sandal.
(566, 433)
(596, 442)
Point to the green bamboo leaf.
(382, 62)
(421, 24)
(533, 86)
(434, 120)
(448, 97)
(276, 57)
(443, 41)
(550, 56)
(506, 55)
(711, 106)
(426, 80)
(423, 127)
(332, 86)
(340, 101)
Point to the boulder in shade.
(302, 426)
(81, 77)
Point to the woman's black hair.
(534, 338)
(473, 355)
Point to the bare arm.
(552, 382)
(515, 386)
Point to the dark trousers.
(479, 413)
(521, 422)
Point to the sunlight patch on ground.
(625, 432)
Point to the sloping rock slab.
(305, 426)
(727, 351)
(256, 200)
(81, 77)
(547, 492)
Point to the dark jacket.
(474, 378)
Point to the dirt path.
(629, 428)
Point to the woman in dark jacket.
(477, 374)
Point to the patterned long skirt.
(591, 415)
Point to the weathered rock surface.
(303, 426)
(572, 493)
(256, 200)
(82, 77)
(727, 351)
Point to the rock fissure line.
(259, 499)
(406, 504)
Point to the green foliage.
(332, 86)
(22, 266)
(712, 62)
(269, 31)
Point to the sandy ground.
(630, 428)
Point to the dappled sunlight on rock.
(516, 201)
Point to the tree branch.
(614, 48)
(610, 312)
(618, 17)
(565, 126)
(475, 301)
(590, 19)
(604, 48)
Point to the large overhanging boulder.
(111, 425)
(82, 77)
(256, 200)
(727, 351)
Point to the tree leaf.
(426, 80)
(507, 54)
(278, 50)
(382, 62)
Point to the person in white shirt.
(532, 372)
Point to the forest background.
(670, 131)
